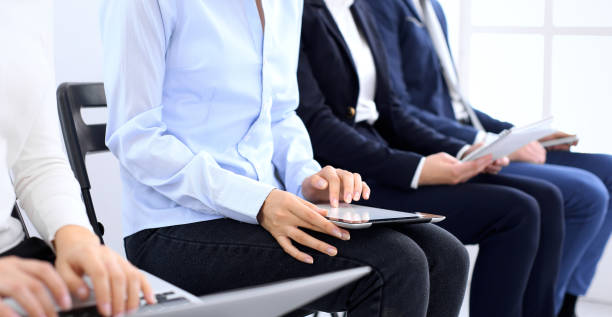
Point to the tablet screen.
(361, 214)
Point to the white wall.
(79, 59)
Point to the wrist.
(71, 235)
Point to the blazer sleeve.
(336, 142)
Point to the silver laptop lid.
(268, 300)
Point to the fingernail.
(309, 260)
(334, 202)
(119, 315)
(348, 197)
(82, 292)
(366, 196)
(321, 183)
(66, 302)
(338, 233)
(346, 236)
(357, 196)
(106, 309)
(332, 251)
(131, 311)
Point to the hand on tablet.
(443, 169)
(530, 153)
(283, 214)
(334, 184)
(560, 147)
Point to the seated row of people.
(219, 144)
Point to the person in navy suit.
(356, 122)
(414, 36)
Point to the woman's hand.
(283, 214)
(443, 169)
(116, 283)
(329, 184)
(27, 282)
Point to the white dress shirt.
(366, 68)
(33, 166)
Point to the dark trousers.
(418, 270)
(519, 237)
(517, 223)
(585, 181)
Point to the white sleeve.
(44, 183)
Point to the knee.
(449, 256)
(524, 218)
(550, 196)
(402, 264)
(593, 196)
(523, 210)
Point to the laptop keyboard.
(164, 301)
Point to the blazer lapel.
(332, 27)
(413, 10)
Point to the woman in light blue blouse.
(218, 170)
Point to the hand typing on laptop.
(283, 214)
(37, 285)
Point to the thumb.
(75, 283)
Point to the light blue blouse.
(202, 107)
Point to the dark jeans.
(418, 270)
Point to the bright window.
(520, 60)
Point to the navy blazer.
(416, 71)
(329, 88)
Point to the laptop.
(353, 216)
(274, 299)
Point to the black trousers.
(518, 223)
(418, 270)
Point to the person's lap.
(224, 254)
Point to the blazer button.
(351, 112)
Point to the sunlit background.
(524, 59)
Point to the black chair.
(80, 138)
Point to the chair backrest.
(81, 138)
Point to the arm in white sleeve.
(44, 183)
(135, 38)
